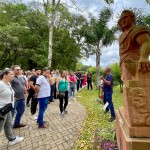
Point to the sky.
(109, 54)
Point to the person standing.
(42, 92)
(84, 79)
(78, 75)
(72, 82)
(6, 97)
(57, 76)
(34, 101)
(62, 91)
(52, 80)
(19, 88)
(108, 91)
(89, 80)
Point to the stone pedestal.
(124, 140)
(133, 121)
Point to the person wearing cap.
(108, 91)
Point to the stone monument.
(133, 120)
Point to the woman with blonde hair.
(7, 97)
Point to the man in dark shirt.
(34, 101)
(19, 88)
(89, 80)
(78, 74)
(108, 91)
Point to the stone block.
(137, 105)
(125, 142)
(134, 131)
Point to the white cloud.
(110, 54)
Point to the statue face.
(126, 21)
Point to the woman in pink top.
(72, 81)
(84, 79)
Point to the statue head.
(127, 19)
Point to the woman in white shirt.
(6, 97)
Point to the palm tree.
(97, 35)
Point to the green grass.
(96, 118)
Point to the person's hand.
(102, 78)
(57, 92)
(144, 65)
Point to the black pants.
(78, 85)
(81, 82)
(89, 84)
(55, 95)
(63, 105)
(29, 97)
(34, 103)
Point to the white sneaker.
(35, 117)
(74, 99)
(69, 103)
(17, 140)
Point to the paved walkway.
(61, 133)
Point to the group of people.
(40, 87)
(44, 85)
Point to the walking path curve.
(61, 134)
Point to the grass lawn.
(96, 118)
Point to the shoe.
(35, 117)
(17, 140)
(69, 103)
(111, 119)
(65, 111)
(19, 125)
(45, 122)
(106, 111)
(43, 126)
(27, 105)
(74, 99)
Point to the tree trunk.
(50, 50)
(97, 67)
(50, 21)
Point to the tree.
(51, 9)
(97, 35)
(116, 72)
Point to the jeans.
(7, 125)
(43, 102)
(71, 90)
(52, 92)
(108, 98)
(19, 107)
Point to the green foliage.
(66, 52)
(24, 38)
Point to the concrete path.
(61, 134)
